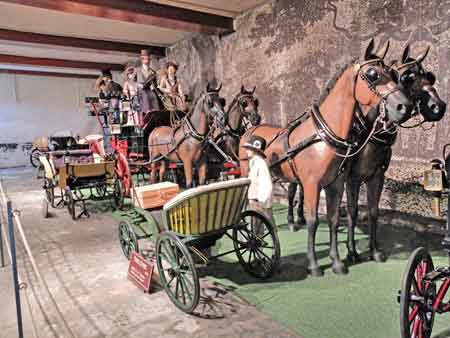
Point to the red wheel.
(417, 297)
(123, 173)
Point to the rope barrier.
(16, 216)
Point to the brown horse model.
(313, 152)
(240, 116)
(370, 165)
(186, 142)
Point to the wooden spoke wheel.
(101, 191)
(70, 202)
(256, 244)
(34, 158)
(417, 297)
(118, 194)
(127, 238)
(45, 204)
(177, 272)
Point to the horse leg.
(311, 205)
(300, 212)
(202, 172)
(188, 172)
(374, 189)
(162, 171)
(153, 172)
(353, 186)
(334, 193)
(292, 189)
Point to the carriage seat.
(206, 208)
(61, 157)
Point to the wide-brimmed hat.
(257, 144)
(171, 63)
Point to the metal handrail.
(16, 216)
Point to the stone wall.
(288, 49)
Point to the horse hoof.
(301, 222)
(293, 227)
(379, 256)
(353, 258)
(316, 271)
(339, 268)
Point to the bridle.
(239, 101)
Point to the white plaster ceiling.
(37, 20)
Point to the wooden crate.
(154, 195)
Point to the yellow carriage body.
(207, 208)
(85, 170)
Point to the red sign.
(140, 271)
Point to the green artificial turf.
(360, 304)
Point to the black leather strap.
(325, 132)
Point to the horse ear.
(369, 50)
(208, 88)
(253, 91)
(422, 56)
(383, 55)
(405, 55)
(220, 87)
(242, 89)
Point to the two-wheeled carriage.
(73, 177)
(192, 222)
(425, 286)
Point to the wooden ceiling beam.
(67, 41)
(141, 12)
(46, 62)
(45, 73)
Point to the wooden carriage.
(192, 222)
(73, 177)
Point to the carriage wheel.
(70, 202)
(118, 194)
(101, 191)
(256, 244)
(34, 158)
(50, 192)
(45, 204)
(177, 272)
(417, 296)
(128, 239)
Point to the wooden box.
(154, 195)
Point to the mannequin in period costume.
(130, 90)
(105, 84)
(170, 85)
(146, 78)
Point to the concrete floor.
(86, 271)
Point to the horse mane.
(231, 105)
(332, 82)
(194, 106)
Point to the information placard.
(140, 271)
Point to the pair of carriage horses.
(344, 139)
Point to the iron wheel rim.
(258, 251)
(177, 272)
(417, 296)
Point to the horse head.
(248, 105)
(418, 84)
(214, 104)
(377, 85)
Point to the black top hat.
(256, 143)
(106, 72)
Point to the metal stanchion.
(14, 268)
(2, 255)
